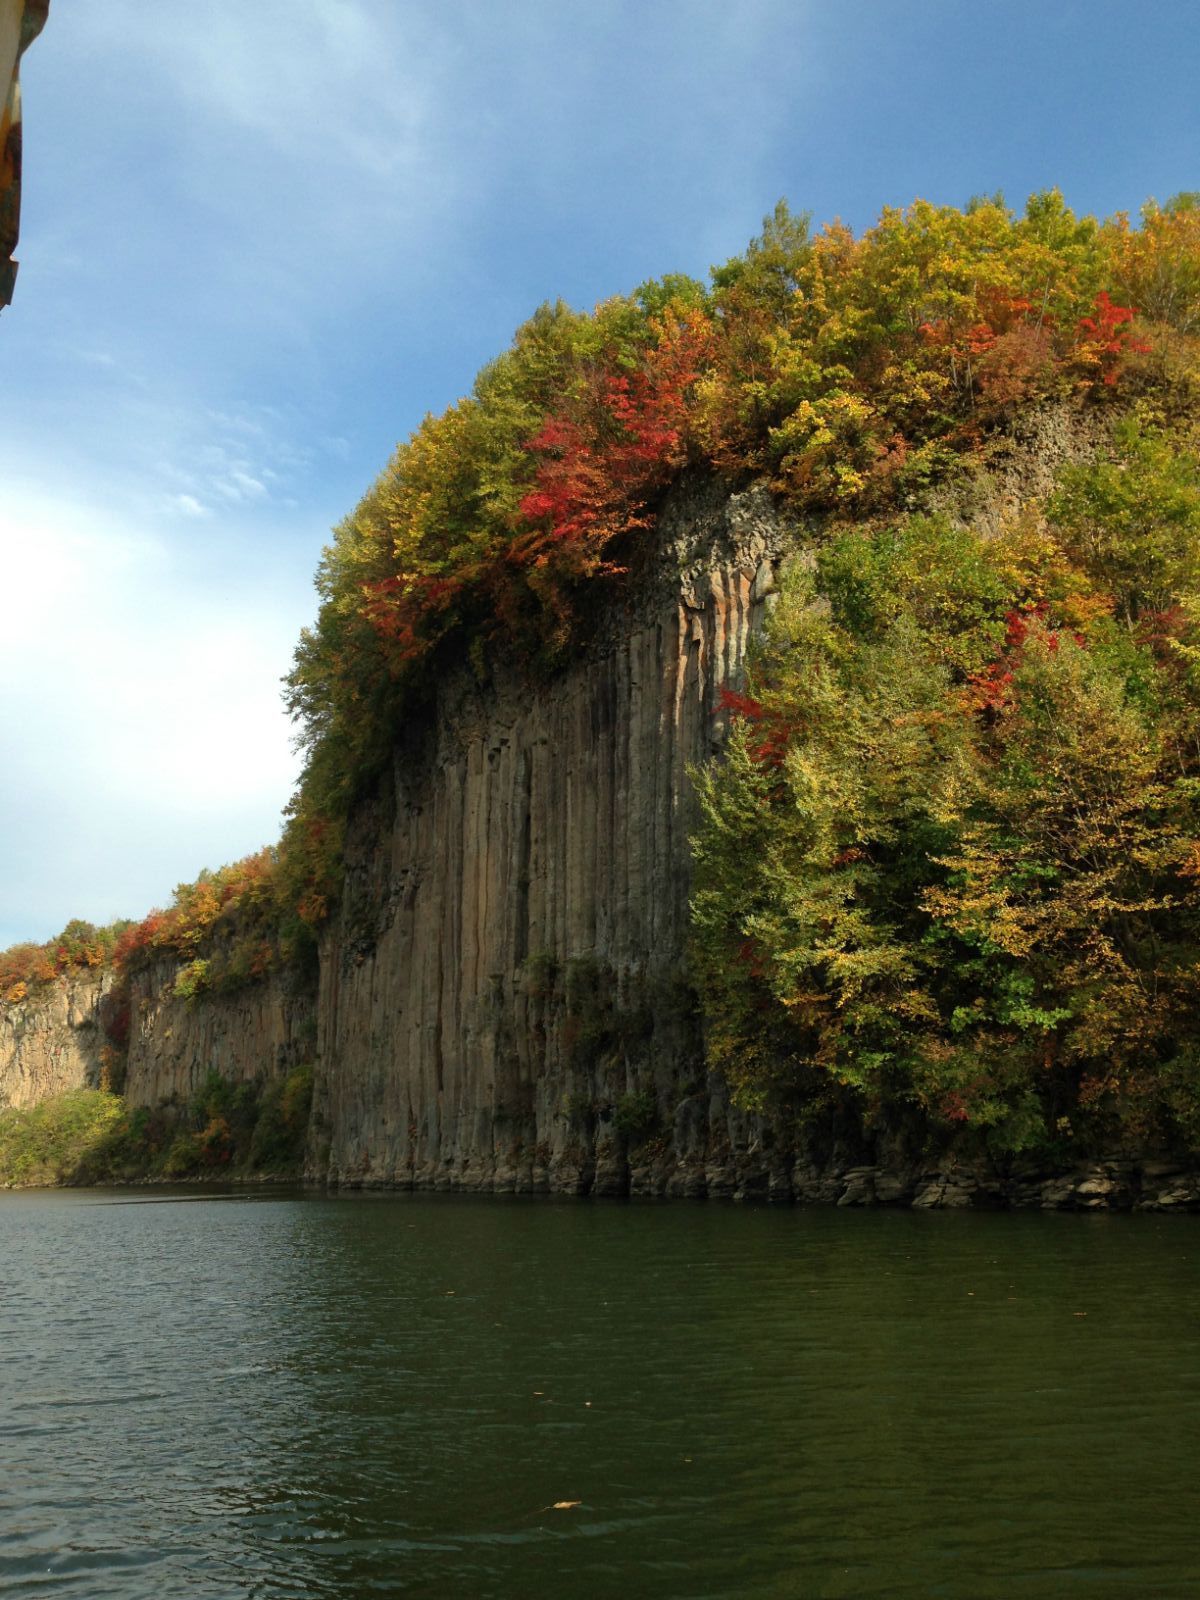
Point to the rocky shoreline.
(1117, 1185)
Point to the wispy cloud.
(186, 505)
(348, 83)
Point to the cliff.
(51, 1042)
(933, 910)
(250, 1035)
(502, 1003)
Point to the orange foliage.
(600, 461)
(199, 910)
(26, 967)
(1105, 339)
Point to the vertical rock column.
(246, 1036)
(539, 847)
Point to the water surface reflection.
(302, 1396)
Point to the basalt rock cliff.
(52, 1041)
(502, 1001)
(251, 1035)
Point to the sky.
(260, 242)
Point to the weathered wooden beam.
(20, 23)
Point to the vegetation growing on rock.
(949, 860)
(851, 373)
(88, 1136)
(26, 968)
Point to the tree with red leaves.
(1105, 338)
(600, 463)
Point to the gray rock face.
(501, 1001)
(252, 1034)
(51, 1042)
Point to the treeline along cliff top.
(948, 869)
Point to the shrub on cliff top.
(26, 968)
(224, 929)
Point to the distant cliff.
(250, 1036)
(51, 1042)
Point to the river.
(295, 1395)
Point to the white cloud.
(240, 485)
(187, 505)
(145, 735)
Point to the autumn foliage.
(223, 930)
(862, 378)
(227, 928)
(26, 968)
(948, 874)
(853, 373)
(599, 462)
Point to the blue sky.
(260, 242)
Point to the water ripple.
(299, 1396)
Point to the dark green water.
(311, 1397)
